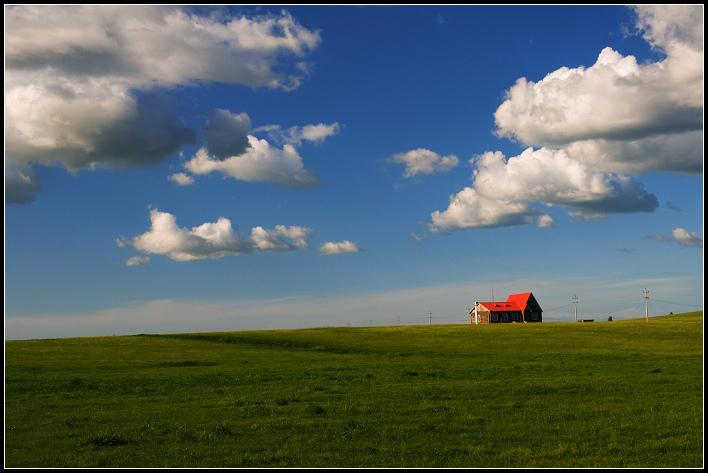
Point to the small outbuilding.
(517, 308)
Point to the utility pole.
(646, 303)
(430, 316)
(575, 301)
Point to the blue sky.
(177, 169)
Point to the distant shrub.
(314, 410)
(105, 438)
(281, 401)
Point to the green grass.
(614, 394)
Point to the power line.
(557, 308)
(676, 303)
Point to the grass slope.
(617, 394)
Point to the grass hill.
(613, 394)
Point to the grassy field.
(613, 394)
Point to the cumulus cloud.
(679, 152)
(212, 240)
(333, 248)
(424, 161)
(687, 239)
(470, 209)
(546, 221)
(317, 133)
(502, 191)
(619, 115)
(260, 162)
(233, 150)
(89, 123)
(181, 178)
(680, 236)
(593, 128)
(83, 83)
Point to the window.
(515, 317)
(505, 317)
(495, 318)
(534, 316)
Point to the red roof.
(520, 299)
(500, 306)
(515, 302)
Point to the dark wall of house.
(532, 308)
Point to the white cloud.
(469, 209)
(424, 161)
(260, 162)
(296, 134)
(680, 236)
(212, 240)
(618, 109)
(502, 191)
(234, 152)
(281, 238)
(181, 178)
(333, 248)
(83, 83)
(317, 133)
(668, 27)
(162, 45)
(545, 221)
(137, 261)
(687, 239)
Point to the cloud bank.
(85, 85)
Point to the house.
(517, 308)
